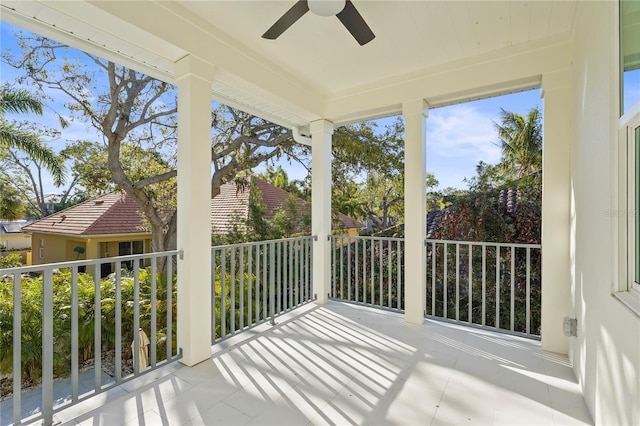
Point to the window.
(41, 248)
(130, 247)
(629, 54)
(633, 202)
(628, 213)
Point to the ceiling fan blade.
(354, 22)
(289, 18)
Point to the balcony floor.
(345, 364)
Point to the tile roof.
(233, 201)
(110, 214)
(115, 213)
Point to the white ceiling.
(410, 35)
(316, 69)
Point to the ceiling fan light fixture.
(326, 7)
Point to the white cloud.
(463, 132)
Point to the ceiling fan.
(344, 10)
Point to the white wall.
(606, 353)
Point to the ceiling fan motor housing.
(326, 7)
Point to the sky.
(458, 136)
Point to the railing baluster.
(223, 292)
(272, 282)
(214, 254)
(349, 262)
(136, 318)
(97, 345)
(372, 276)
(399, 293)
(333, 266)
(257, 282)
(305, 268)
(528, 293)
(279, 262)
(47, 346)
(249, 284)
(291, 274)
(457, 282)
(513, 287)
(389, 270)
(154, 308)
(265, 283)
(232, 289)
(497, 323)
(118, 363)
(445, 279)
(17, 347)
(74, 334)
(169, 344)
(356, 265)
(241, 287)
(484, 285)
(341, 268)
(364, 271)
(434, 252)
(381, 266)
(470, 290)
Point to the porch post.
(194, 79)
(415, 204)
(556, 199)
(321, 132)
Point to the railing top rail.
(87, 262)
(255, 243)
(484, 243)
(365, 237)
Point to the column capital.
(321, 126)
(415, 106)
(193, 66)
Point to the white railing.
(491, 285)
(255, 282)
(368, 270)
(70, 318)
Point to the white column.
(321, 132)
(194, 79)
(556, 199)
(415, 206)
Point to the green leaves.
(18, 101)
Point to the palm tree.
(520, 142)
(21, 101)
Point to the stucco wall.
(606, 353)
(55, 248)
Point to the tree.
(367, 171)
(26, 172)
(20, 143)
(11, 202)
(20, 102)
(520, 139)
(129, 108)
(278, 177)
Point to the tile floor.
(345, 364)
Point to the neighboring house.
(106, 226)
(111, 225)
(11, 235)
(51, 201)
(230, 208)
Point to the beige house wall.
(59, 248)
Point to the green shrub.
(31, 319)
